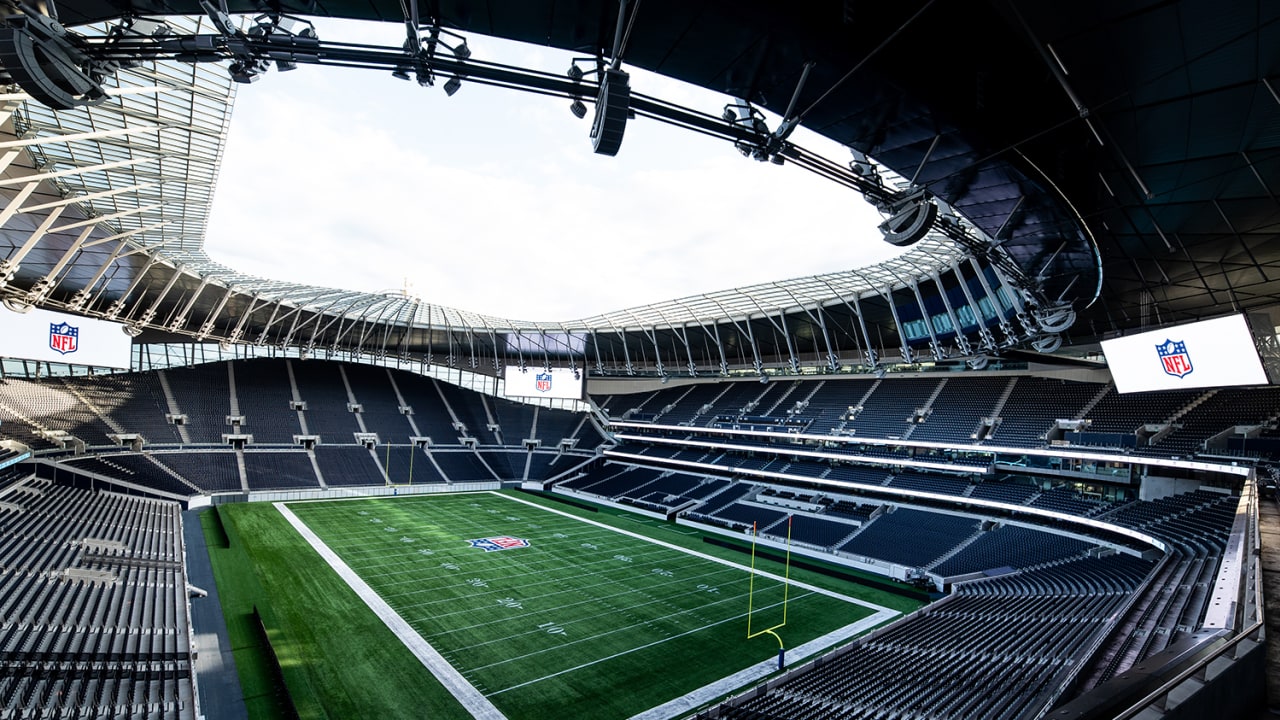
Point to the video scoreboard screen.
(61, 338)
(1206, 354)
(540, 382)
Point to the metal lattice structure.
(105, 204)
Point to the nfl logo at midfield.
(1174, 358)
(505, 542)
(543, 382)
(64, 338)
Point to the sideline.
(475, 703)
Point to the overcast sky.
(492, 200)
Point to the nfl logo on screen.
(505, 542)
(543, 382)
(1174, 358)
(63, 338)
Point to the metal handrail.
(1181, 677)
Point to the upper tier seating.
(379, 406)
(203, 394)
(134, 401)
(1223, 409)
(888, 411)
(264, 394)
(321, 387)
(1034, 405)
(959, 408)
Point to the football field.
(545, 614)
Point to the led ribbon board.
(1210, 353)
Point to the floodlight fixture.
(576, 73)
(461, 50)
(741, 112)
(452, 85)
(862, 166)
(247, 70)
(578, 108)
(280, 29)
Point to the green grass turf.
(586, 622)
(338, 659)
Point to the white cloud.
(492, 201)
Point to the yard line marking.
(618, 654)
(607, 531)
(472, 699)
(588, 618)
(712, 558)
(617, 629)
(514, 582)
(576, 590)
(534, 563)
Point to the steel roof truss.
(961, 341)
(210, 321)
(150, 313)
(934, 345)
(1005, 328)
(180, 320)
(41, 289)
(117, 306)
(15, 260)
(15, 205)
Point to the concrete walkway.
(1269, 542)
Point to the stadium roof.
(1112, 162)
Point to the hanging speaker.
(911, 220)
(612, 106)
